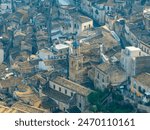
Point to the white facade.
(81, 100)
(1, 56)
(86, 25)
(61, 49)
(81, 23)
(128, 59)
(5, 8)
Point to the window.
(84, 27)
(107, 79)
(59, 89)
(103, 80)
(108, 8)
(75, 25)
(98, 75)
(142, 48)
(54, 86)
(89, 26)
(140, 89)
(96, 12)
(80, 105)
(71, 94)
(65, 91)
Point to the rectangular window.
(54, 86)
(59, 89)
(98, 76)
(65, 91)
(80, 105)
(71, 94)
(107, 79)
(75, 26)
(148, 51)
(103, 80)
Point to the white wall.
(87, 25)
(1, 56)
(62, 89)
(5, 7)
(42, 66)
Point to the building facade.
(69, 94)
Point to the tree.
(96, 98)
(117, 105)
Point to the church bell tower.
(75, 63)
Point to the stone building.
(134, 61)
(106, 75)
(68, 94)
(80, 23)
(75, 63)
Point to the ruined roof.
(144, 79)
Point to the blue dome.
(76, 44)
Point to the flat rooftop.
(61, 46)
(132, 48)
